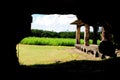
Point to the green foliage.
(41, 33)
(48, 41)
(66, 34)
(51, 34)
(98, 42)
(90, 41)
(52, 41)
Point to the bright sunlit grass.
(53, 41)
(32, 54)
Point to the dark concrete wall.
(19, 19)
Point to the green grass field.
(53, 41)
(36, 54)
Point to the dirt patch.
(82, 55)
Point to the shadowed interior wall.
(20, 18)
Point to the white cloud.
(53, 22)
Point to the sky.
(54, 22)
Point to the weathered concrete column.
(79, 23)
(103, 34)
(86, 35)
(95, 31)
(78, 35)
(106, 35)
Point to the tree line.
(65, 34)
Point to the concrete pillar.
(95, 31)
(103, 35)
(86, 35)
(106, 35)
(78, 35)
